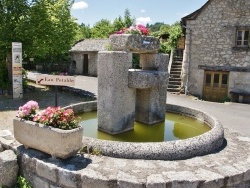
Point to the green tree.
(174, 34)
(45, 27)
(52, 28)
(102, 29)
(83, 32)
(13, 14)
(128, 20)
(118, 24)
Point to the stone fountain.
(126, 95)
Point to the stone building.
(84, 55)
(216, 62)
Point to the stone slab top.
(135, 43)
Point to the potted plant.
(135, 39)
(54, 130)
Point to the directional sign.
(55, 80)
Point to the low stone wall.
(172, 150)
(229, 167)
(8, 162)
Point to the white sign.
(55, 80)
(17, 70)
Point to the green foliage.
(90, 150)
(165, 48)
(45, 28)
(224, 99)
(22, 183)
(155, 27)
(175, 33)
(4, 80)
(83, 32)
(118, 24)
(136, 61)
(102, 29)
(128, 21)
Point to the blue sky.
(144, 11)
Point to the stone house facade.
(216, 62)
(84, 55)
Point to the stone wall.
(79, 58)
(212, 44)
(8, 161)
(93, 57)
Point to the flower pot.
(56, 142)
(135, 43)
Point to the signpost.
(17, 70)
(55, 80)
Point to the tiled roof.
(90, 45)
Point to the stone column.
(151, 102)
(185, 63)
(116, 101)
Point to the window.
(242, 38)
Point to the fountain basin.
(206, 143)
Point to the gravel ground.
(44, 96)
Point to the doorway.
(215, 86)
(85, 64)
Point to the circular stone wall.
(206, 143)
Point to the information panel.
(17, 70)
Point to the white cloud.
(143, 20)
(80, 5)
(142, 10)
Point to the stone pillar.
(185, 63)
(116, 101)
(151, 102)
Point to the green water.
(175, 127)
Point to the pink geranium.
(57, 117)
(52, 116)
(28, 110)
(134, 29)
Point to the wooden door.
(85, 64)
(215, 85)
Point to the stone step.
(175, 72)
(173, 86)
(174, 65)
(174, 76)
(173, 90)
(175, 69)
(175, 82)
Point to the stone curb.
(174, 150)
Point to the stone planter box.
(134, 43)
(56, 142)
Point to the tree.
(102, 29)
(127, 19)
(83, 32)
(13, 14)
(53, 29)
(174, 34)
(118, 24)
(45, 28)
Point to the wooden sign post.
(55, 80)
